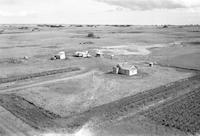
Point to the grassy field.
(68, 95)
(188, 61)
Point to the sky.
(136, 12)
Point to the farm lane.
(83, 72)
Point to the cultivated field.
(82, 97)
(182, 113)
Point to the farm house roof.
(126, 66)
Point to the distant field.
(189, 61)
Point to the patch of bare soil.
(130, 49)
(41, 74)
(182, 113)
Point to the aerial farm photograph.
(99, 68)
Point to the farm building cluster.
(82, 54)
(121, 68)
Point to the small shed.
(99, 53)
(151, 64)
(111, 56)
(60, 55)
(25, 57)
(125, 69)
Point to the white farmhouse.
(125, 69)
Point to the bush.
(1, 31)
(165, 26)
(91, 35)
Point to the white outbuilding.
(125, 69)
(99, 53)
(60, 55)
(82, 54)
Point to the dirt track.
(42, 83)
(34, 75)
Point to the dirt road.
(39, 74)
(83, 72)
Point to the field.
(81, 96)
(183, 114)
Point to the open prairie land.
(82, 97)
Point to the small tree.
(165, 26)
(1, 31)
(91, 35)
